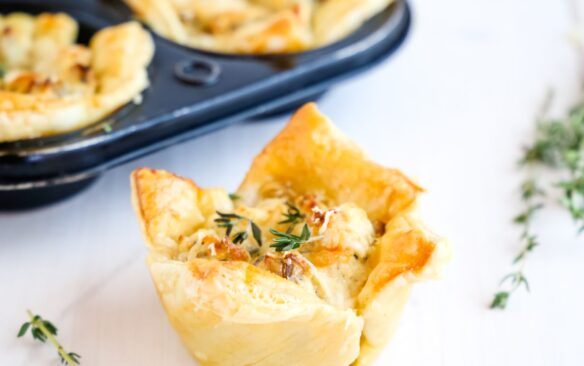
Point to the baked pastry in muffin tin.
(256, 26)
(50, 85)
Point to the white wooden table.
(452, 108)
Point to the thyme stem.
(51, 338)
(43, 330)
(558, 146)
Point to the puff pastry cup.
(335, 300)
(50, 85)
(256, 26)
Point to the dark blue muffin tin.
(192, 92)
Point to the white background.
(452, 109)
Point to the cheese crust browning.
(335, 299)
(50, 85)
(256, 26)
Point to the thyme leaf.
(240, 237)
(234, 196)
(286, 241)
(256, 232)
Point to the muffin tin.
(192, 92)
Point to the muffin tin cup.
(191, 92)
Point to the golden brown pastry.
(309, 264)
(50, 85)
(256, 26)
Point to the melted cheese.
(332, 265)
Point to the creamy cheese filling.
(38, 56)
(330, 262)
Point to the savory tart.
(256, 26)
(309, 263)
(50, 85)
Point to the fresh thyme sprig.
(287, 241)
(530, 194)
(559, 146)
(230, 220)
(293, 217)
(43, 330)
